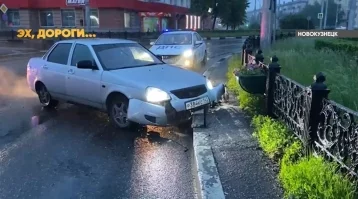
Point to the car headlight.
(209, 84)
(188, 53)
(156, 95)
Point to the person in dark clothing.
(259, 57)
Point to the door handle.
(45, 67)
(71, 71)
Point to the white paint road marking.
(207, 172)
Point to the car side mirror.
(198, 42)
(152, 43)
(86, 64)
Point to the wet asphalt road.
(73, 152)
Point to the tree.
(233, 12)
(313, 10)
(295, 21)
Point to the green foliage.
(255, 25)
(295, 21)
(292, 153)
(343, 45)
(314, 178)
(300, 61)
(251, 103)
(313, 10)
(273, 136)
(232, 12)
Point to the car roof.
(180, 32)
(97, 41)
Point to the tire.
(45, 98)
(205, 59)
(186, 126)
(117, 111)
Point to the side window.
(60, 54)
(198, 38)
(81, 53)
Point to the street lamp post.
(325, 15)
(88, 15)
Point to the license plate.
(197, 103)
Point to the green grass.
(315, 178)
(300, 61)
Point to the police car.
(181, 48)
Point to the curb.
(207, 172)
(2, 57)
(222, 38)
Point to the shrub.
(248, 102)
(337, 45)
(295, 21)
(273, 136)
(314, 178)
(292, 154)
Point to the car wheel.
(45, 97)
(186, 127)
(118, 110)
(205, 59)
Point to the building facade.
(343, 5)
(106, 15)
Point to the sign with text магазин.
(75, 2)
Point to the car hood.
(169, 49)
(165, 77)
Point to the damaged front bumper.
(172, 112)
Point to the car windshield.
(174, 39)
(124, 55)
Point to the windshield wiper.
(151, 64)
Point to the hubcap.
(119, 112)
(44, 96)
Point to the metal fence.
(324, 126)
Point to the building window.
(46, 18)
(127, 20)
(68, 18)
(13, 17)
(94, 18)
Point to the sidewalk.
(243, 169)
(229, 159)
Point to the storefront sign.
(75, 2)
(154, 14)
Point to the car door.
(201, 47)
(84, 85)
(54, 71)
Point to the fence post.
(273, 69)
(319, 93)
(243, 54)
